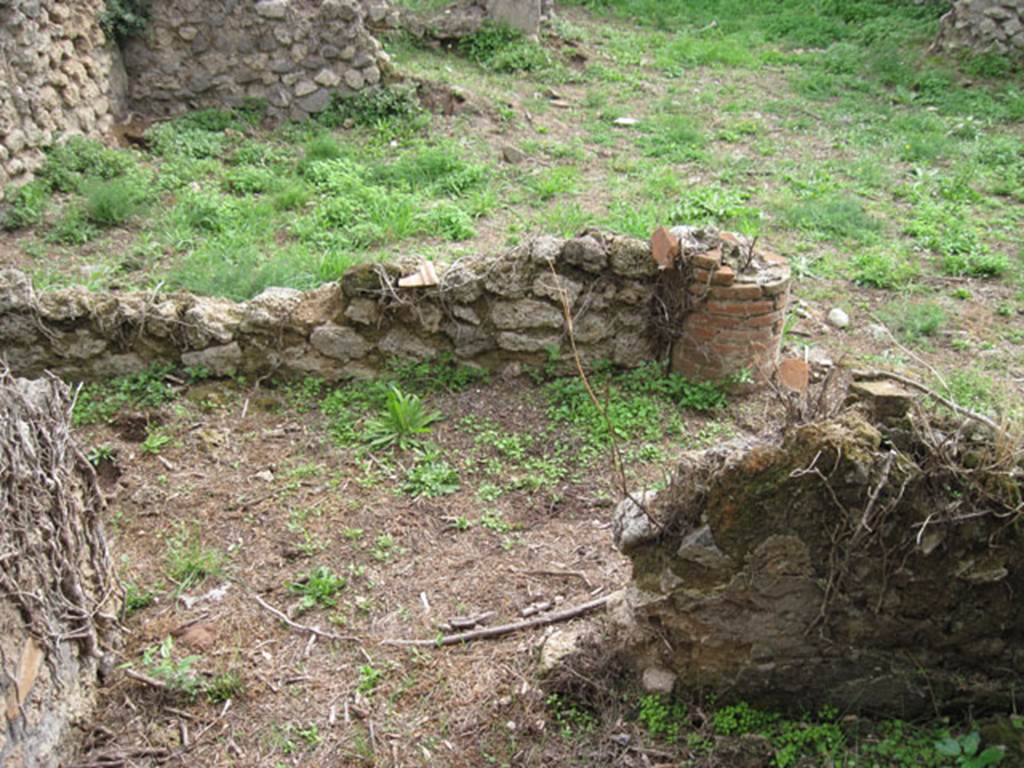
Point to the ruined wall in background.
(58, 78)
(982, 26)
(292, 53)
(491, 311)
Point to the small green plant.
(884, 268)
(369, 678)
(431, 476)
(136, 598)
(156, 440)
(70, 164)
(226, 686)
(99, 454)
(318, 588)
(661, 718)
(384, 548)
(572, 718)
(965, 751)
(176, 674)
(403, 424)
(100, 402)
(73, 227)
(189, 563)
(372, 107)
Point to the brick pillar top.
(727, 300)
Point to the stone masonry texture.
(58, 78)
(488, 311)
(984, 26)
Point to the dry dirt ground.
(251, 494)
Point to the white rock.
(631, 525)
(837, 318)
(659, 680)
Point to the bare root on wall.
(56, 585)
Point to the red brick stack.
(736, 309)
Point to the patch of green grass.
(914, 321)
(500, 48)
(662, 718)
(188, 562)
(113, 202)
(835, 217)
(672, 138)
(884, 267)
(68, 165)
(99, 402)
(637, 404)
(554, 182)
(972, 389)
(372, 107)
(318, 588)
(73, 227)
(951, 231)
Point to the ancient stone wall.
(983, 25)
(292, 53)
(868, 563)
(491, 311)
(58, 78)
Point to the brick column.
(735, 309)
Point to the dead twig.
(302, 627)
(575, 574)
(504, 629)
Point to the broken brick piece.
(664, 248)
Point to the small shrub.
(111, 203)
(501, 48)
(25, 206)
(371, 107)
(73, 227)
(291, 197)
(70, 164)
(404, 421)
(451, 222)
(318, 588)
(249, 180)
